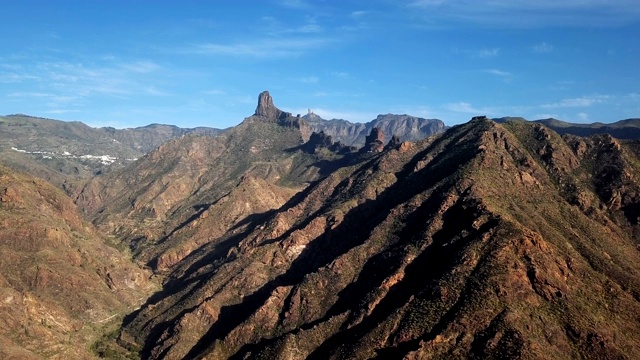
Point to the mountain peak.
(266, 109)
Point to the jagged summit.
(266, 109)
(374, 142)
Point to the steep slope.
(498, 241)
(163, 194)
(60, 284)
(405, 127)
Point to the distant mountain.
(73, 150)
(405, 127)
(61, 282)
(488, 241)
(623, 129)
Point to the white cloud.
(527, 13)
(328, 114)
(500, 73)
(546, 116)
(427, 3)
(152, 90)
(467, 108)
(61, 111)
(310, 79)
(294, 4)
(215, 92)
(340, 74)
(15, 77)
(584, 101)
(583, 116)
(358, 14)
(542, 48)
(265, 48)
(487, 53)
(29, 94)
(141, 66)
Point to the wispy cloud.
(359, 14)
(467, 108)
(141, 66)
(427, 3)
(215, 92)
(487, 53)
(13, 77)
(546, 116)
(584, 101)
(542, 48)
(337, 94)
(295, 4)
(266, 48)
(61, 111)
(57, 87)
(504, 75)
(583, 116)
(339, 74)
(276, 27)
(526, 13)
(309, 79)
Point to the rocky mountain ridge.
(488, 240)
(416, 252)
(405, 127)
(66, 153)
(623, 129)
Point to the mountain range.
(294, 237)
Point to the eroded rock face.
(267, 110)
(374, 142)
(394, 142)
(406, 127)
(265, 106)
(466, 245)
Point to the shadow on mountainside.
(335, 242)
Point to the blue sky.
(203, 63)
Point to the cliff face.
(60, 283)
(502, 241)
(405, 127)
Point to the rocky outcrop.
(319, 141)
(374, 142)
(393, 143)
(267, 110)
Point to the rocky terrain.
(405, 127)
(277, 239)
(489, 241)
(62, 283)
